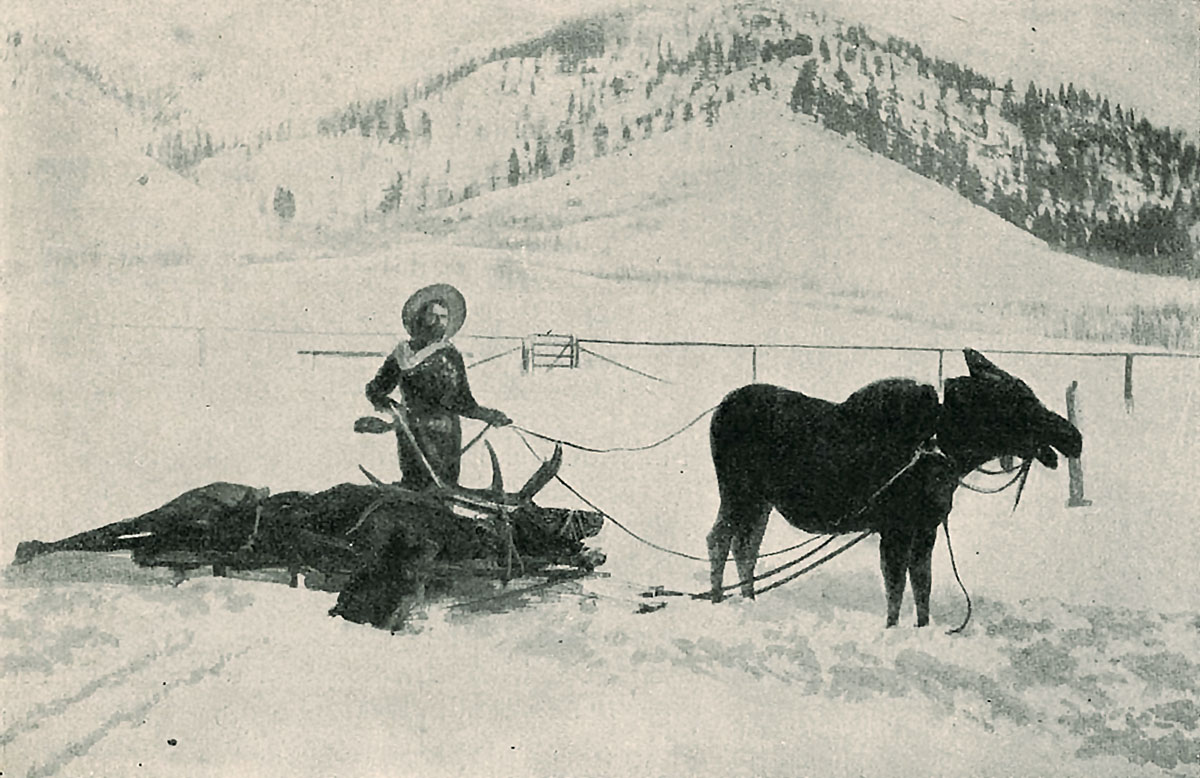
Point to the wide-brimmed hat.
(447, 295)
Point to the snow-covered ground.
(1081, 657)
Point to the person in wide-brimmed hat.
(432, 379)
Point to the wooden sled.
(385, 548)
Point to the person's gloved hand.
(387, 405)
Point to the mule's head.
(991, 413)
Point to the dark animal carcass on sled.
(383, 547)
(888, 459)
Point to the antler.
(497, 478)
(544, 474)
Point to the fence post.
(1129, 383)
(1075, 498)
(941, 372)
(754, 364)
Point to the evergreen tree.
(1075, 232)
(568, 152)
(844, 79)
(824, 49)
(399, 129)
(1008, 105)
(514, 168)
(393, 195)
(1043, 226)
(872, 129)
(1032, 111)
(1187, 165)
(541, 159)
(284, 203)
(927, 165)
(804, 92)
(970, 185)
(600, 139)
(951, 160)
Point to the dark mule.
(824, 465)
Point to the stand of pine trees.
(1071, 155)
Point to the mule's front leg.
(894, 550)
(920, 571)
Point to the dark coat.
(437, 393)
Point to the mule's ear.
(980, 366)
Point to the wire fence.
(754, 350)
(209, 345)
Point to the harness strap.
(861, 537)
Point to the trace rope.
(616, 449)
(630, 532)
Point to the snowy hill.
(480, 106)
(763, 196)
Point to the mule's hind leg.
(894, 553)
(920, 570)
(719, 538)
(746, 543)
(735, 518)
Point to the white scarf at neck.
(408, 359)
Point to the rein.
(1020, 475)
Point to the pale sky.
(1144, 53)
